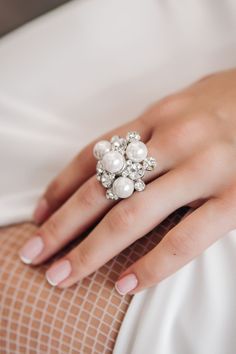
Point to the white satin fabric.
(85, 68)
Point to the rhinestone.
(107, 179)
(99, 167)
(139, 185)
(135, 171)
(131, 136)
(123, 169)
(149, 163)
(118, 144)
(98, 176)
(123, 143)
(125, 173)
(111, 195)
(115, 138)
(115, 145)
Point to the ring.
(122, 163)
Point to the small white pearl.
(113, 161)
(136, 151)
(123, 187)
(101, 148)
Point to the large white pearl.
(123, 187)
(113, 161)
(136, 151)
(101, 148)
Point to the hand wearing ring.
(192, 136)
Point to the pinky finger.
(184, 242)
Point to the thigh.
(86, 318)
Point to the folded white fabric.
(85, 68)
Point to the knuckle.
(121, 218)
(187, 128)
(213, 156)
(50, 230)
(82, 257)
(181, 242)
(183, 133)
(171, 104)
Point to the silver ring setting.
(122, 164)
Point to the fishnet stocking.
(86, 318)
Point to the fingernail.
(41, 211)
(126, 284)
(31, 249)
(58, 272)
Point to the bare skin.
(192, 134)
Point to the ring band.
(122, 164)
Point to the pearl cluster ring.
(122, 163)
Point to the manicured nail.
(126, 284)
(31, 249)
(58, 272)
(41, 211)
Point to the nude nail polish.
(126, 284)
(32, 248)
(58, 272)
